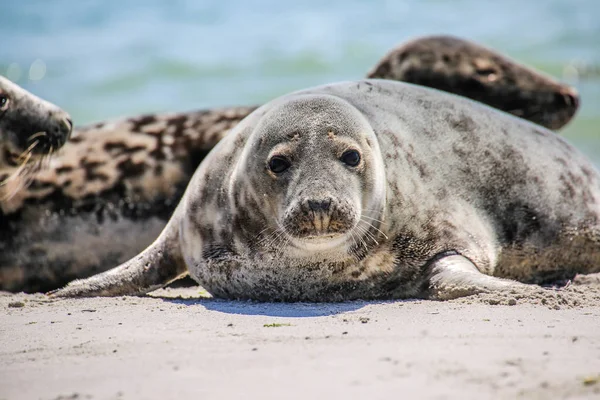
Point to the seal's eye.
(351, 158)
(278, 164)
(3, 102)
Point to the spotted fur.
(105, 197)
(451, 198)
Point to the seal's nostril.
(319, 205)
(67, 127)
(570, 98)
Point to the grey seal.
(30, 130)
(471, 70)
(374, 190)
(111, 191)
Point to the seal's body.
(114, 187)
(374, 190)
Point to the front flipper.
(456, 276)
(158, 265)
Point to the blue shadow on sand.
(296, 310)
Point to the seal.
(105, 197)
(31, 129)
(115, 185)
(374, 190)
(468, 69)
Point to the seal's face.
(29, 126)
(317, 162)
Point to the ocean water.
(101, 59)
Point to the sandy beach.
(106, 60)
(175, 343)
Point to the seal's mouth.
(309, 237)
(43, 137)
(321, 242)
(320, 228)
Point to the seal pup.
(374, 190)
(468, 69)
(114, 187)
(31, 129)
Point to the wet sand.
(176, 344)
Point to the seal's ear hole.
(278, 164)
(4, 100)
(351, 158)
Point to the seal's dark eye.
(278, 164)
(3, 102)
(351, 158)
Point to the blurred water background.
(101, 59)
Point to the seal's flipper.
(158, 265)
(456, 276)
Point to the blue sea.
(101, 59)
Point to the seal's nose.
(58, 127)
(319, 205)
(62, 128)
(570, 98)
(68, 126)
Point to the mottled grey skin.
(465, 68)
(28, 126)
(114, 187)
(449, 198)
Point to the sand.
(176, 344)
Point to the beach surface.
(175, 343)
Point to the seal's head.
(313, 163)
(29, 126)
(467, 69)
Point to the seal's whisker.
(361, 231)
(28, 150)
(277, 236)
(273, 236)
(14, 176)
(259, 234)
(47, 157)
(37, 135)
(354, 249)
(366, 232)
(377, 229)
(280, 241)
(373, 219)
